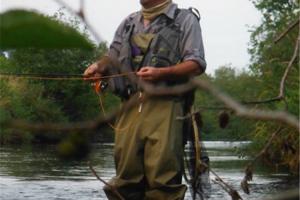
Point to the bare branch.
(262, 101)
(81, 10)
(69, 127)
(200, 109)
(249, 167)
(283, 80)
(176, 91)
(281, 94)
(113, 189)
(230, 190)
(268, 144)
(242, 111)
(286, 31)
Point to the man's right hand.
(91, 72)
(97, 70)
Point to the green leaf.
(23, 29)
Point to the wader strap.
(197, 144)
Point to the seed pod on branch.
(223, 119)
(248, 177)
(249, 173)
(235, 195)
(198, 118)
(245, 186)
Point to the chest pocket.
(165, 47)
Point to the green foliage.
(269, 61)
(21, 100)
(23, 29)
(47, 100)
(76, 97)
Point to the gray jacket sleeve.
(191, 45)
(115, 46)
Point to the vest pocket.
(160, 61)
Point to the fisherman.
(163, 45)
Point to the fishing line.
(61, 77)
(116, 129)
(72, 77)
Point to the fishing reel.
(100, 86)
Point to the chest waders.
(148, 154)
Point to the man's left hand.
(150, 73)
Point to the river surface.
(37, 173)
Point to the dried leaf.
(198, 118)
(285, 147)
(245, 186)
(249, 173)
(288, 147)
(223, 119)
(202, 168)
(235, 195)
(217, 179)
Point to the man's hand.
(150, 73)
(188, 68)
(97, 69)
(90, 72)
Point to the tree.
(269, 62)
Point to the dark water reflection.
(37, 173)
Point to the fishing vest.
(163, 50)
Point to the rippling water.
(36, 173)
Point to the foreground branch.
(242, 111)
(68, 127)
(283, 34)
(113, 189)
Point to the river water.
(37, 173)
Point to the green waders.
(148, 152)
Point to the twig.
(281, 95)
(81, 10)
(230, 190)
(268, 144)
(262, 101)
(249, 167)
(286, 31)
(82, 17)
(200, 109)
(218, 177)
(113, 189)
(211, 108)
(233, 193)
(220, 184)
